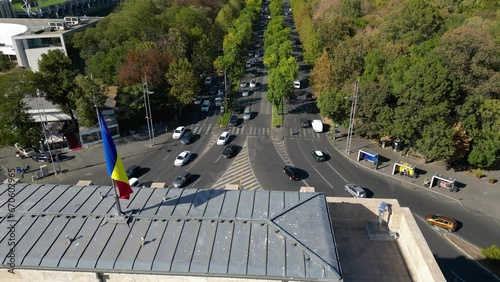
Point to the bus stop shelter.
(404, 169)
(443, 182)
(368, 155)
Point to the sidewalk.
(477, 194)
(72, 161)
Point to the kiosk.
(404, 169)
(369, 156)
(443, 182)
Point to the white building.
(27, 39)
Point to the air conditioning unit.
(58, 26)
(72, 20)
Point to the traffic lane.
(315, 174)
(424, 201)
(454, 265)
(162, 163)
(212, 165)
(421, 201)
(268, 167)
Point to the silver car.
(247, 113)
(355, 190)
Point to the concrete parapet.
(413, 247)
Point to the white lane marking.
(337, 172)
(192, 185)
(218, 159)
(165, 157)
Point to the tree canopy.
(429, 71)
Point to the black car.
(133, 171)
(213, 90)
(182, 180)
(292, 172)
(43, 157)
(233, 121)
(187, 138)
(229, 151)
(309, 97)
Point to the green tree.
(486, 141)
(130, 106)
(471, 54)
(16, 125)
(437, 141)
(322, 74)
(183, 82)
(413, 21)
(89, 93)
(426, 94)
(5, 63)
(335, 105)
(175, 44)
(56, 78)
(203, 55)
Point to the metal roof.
(247, 234)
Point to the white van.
(296, 84)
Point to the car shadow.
(191, 180)
(459, 225)
(191, 159)
(143, 171)
(303, 174)
(369, 193)
(64, 158)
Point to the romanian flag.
(114, 162)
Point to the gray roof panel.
(82, 239)
(91, 256)
(222, 248)
(261, 206)
(59, 243)
(51, 227)
(257, 258)
(184, 251)
(132, 244)
(114, 246)
(246, 206)
(204, 247)
(147, 254)
(275, 253)
(252, 234)
(168, 245)
(239, 250)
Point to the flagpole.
(117, 199)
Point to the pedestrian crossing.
(249, 130)
(239, 173)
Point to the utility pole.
(147, 106)
(44, 132)
(354, 103)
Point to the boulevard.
(258, 164)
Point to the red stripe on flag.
(123, 189)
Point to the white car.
(208, 80)
(248, 64)
(205, 106)
(296, 84)
(243, 83)
(182, 158)
(245, 93)
(223, 138)
(178, 132)
(253, 83)
(218, 102)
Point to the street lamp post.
(44, 132)
(351, 118)
(147, 106)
